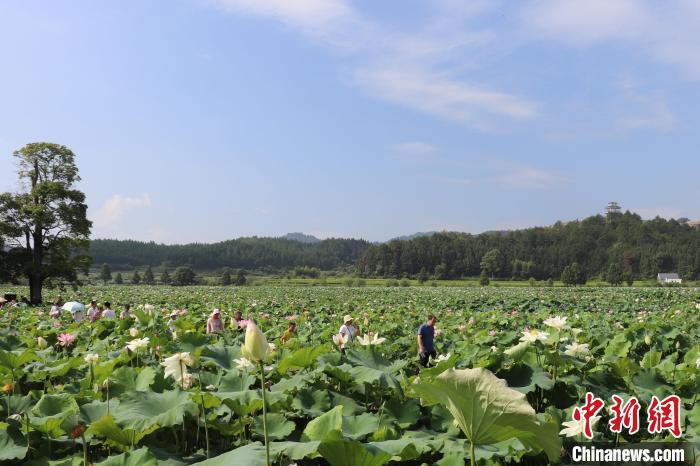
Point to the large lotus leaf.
(71, 461)
(96, 410)
(13, 445)
(114, 435)
(339, 451)
(61, 367)
(192, 342)
(294, 450)
(208, 400)
(651, 359)
(221, 356)
(302, 358)
(127, 379)
(317, 428)
(140, 410)
(404, 412)
(486, 410)
(312, 402)
(619, 346)
(341, 372)
(518, 351)
(293, 383)
(50, 412)
(252, 454)
(350, 406)
(233, 382)
(525, 378)
(648, 382)
(400, 449)
(605, 384)
(373, 367)
(278, 427)
(358, 427)
(14, 360)
(17, 404)
(140, 457)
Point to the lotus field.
(512, 366)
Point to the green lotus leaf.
(278, 427)
(619, 346)
(50, 412)
(140, 457)
(294, 450)
(140, 410)
(220, 356)
(301, 359)
(96, 410)
(114, 435)
(358, 427)
(525, 378)
(400, 449)
(312, 402)
(127, 379)
(370, 367)
(487, 411)
(14, 360)
(319, 427)
(13, 445)
(651, 359)
(518, 351)
(252, 454)
(339, 451)
(404, 413)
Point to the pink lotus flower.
(291, 318)
(57, 324)
(40, 313)
(492, 333)
(66, 339)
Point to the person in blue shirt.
(426, 337)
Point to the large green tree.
(45, 223)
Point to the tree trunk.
(35, 286)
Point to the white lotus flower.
(176, 366)
(575, 428)
(16, 417)
(532, 336)
(133, 331)
(576, 349)
(576, 331)
(557, 322)
(340, 339)
(91, 358)
(137, 343)
(41, 342)
(443, 357)
(367, 340)
(242, 363)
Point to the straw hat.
(347, 319)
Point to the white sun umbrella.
(73, 307)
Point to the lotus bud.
(256, 348)
(41, 342)
(647, 340)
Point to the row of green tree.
(618, 246)
(180, 277)
(253, 253)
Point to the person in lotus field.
(126, 313)
(347, 332)
(108, 312)
(289, 333)
(426, 337)
(93, 311)
(214, 322)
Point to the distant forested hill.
(250, 253)
(641, 247)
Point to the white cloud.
(665, 31)
(650, 110)
(415, 69)
(527, 177)
(117, 206)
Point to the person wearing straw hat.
(214, 322)
(347, 332)
(171, 323)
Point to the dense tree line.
(619, 245)
(252, 253)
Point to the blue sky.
(203, 120)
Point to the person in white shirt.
(93, 311)
(78, 316)
(347, 331)
(108, 313)
(214, 322)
